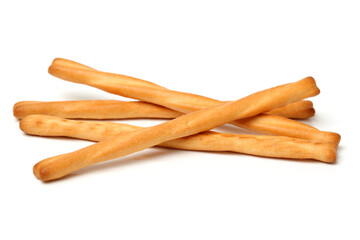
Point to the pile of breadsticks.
(269, 112)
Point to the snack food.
(259, 145)
(179, 101)
(189, 124)
(94, 109)
(113, 109)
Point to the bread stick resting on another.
(183, 102)
(113, 109)
(186, 125)
(259, 145)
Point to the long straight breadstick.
(113, 109)
(184, 102)
(297, 110)
(94, 109)
(267, 146)
(186, 125)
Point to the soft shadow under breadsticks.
(186, 125)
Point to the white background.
(220, 49)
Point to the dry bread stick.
(297, 110)
(267, 146)
(186, 125)
(113, 109)
(94, 109)
(175, 100)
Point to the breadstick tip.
(41, 172)
(310, 113)
(312, 81)
(19, 109)
(50, 69)
(47, 169)
(29, 122)
(56, 60)
(335, 138)
(330, 156)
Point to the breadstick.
(113, 109)
(94, 109)
(186, 125)
(267, 146)
(179, 101)
(297, 110)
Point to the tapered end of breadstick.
(41, 172)
(20, 109)
(68, 63)
(32, 124)
(48, 169)
(334, 138)
(307, 110)
(308, 113)
(314, 91)
(330, 155)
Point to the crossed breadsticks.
(266, 112)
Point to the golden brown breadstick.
(113, 109)
(186, 125)
(297, 110)
(179, 101)
(267, 146)
(94, 109)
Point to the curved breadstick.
(267, 146)
(179, 101)
(186, 125)
(94, 109)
